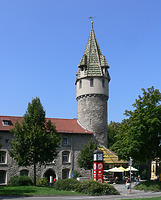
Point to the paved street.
(120, 187)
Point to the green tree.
(113, 129)
(35, 139)
(85, 158)
(139, 136)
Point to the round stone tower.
(92, 90)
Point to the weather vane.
(91, 20)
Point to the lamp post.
(98, 165)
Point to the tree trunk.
(35, 174)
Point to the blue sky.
(42, 42)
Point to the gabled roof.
(92, 58)
(62, 125)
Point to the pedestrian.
(138, 179)
(128, 185)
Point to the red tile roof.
(62, 125)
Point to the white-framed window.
(2, 157)
(24, 172)
(2, 177)
(65, 173)
(65, 157)
(64, 141)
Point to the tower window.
(80, 84)
(91, 82)
(103, 83)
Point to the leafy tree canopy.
(35, 139)
(139, 135)
(85, 158)
(113, 129)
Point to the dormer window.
(6, 122)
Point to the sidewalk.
(134, 193)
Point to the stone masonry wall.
(92, 114)
(75, 143)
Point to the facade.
(92, 94)
(73, 138)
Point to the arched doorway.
(48, 173)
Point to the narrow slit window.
(80, 84)
(91, 82)
(103, 83)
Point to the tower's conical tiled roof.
(92, 59)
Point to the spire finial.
(91, 20)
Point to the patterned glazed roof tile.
(92, 58)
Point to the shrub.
(92, 187)
(149, 186)
(66, 184)
(20, 181)
(43, 182)
(76, 174)
(109, 189)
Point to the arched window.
(65, 157)
(65, 173)
(2, 177)
(24, 172)
(2, 157)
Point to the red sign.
(98, 171)
(95, 171)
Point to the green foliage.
(20, 181)
(33, 190)
(43, 182)
(144, 174)
(113, 129)
(76, 174)
(141, 132)
(149, 186)
(92, 187)
(89, 187)
(66, 184)
(85, 158)
(35, 139)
